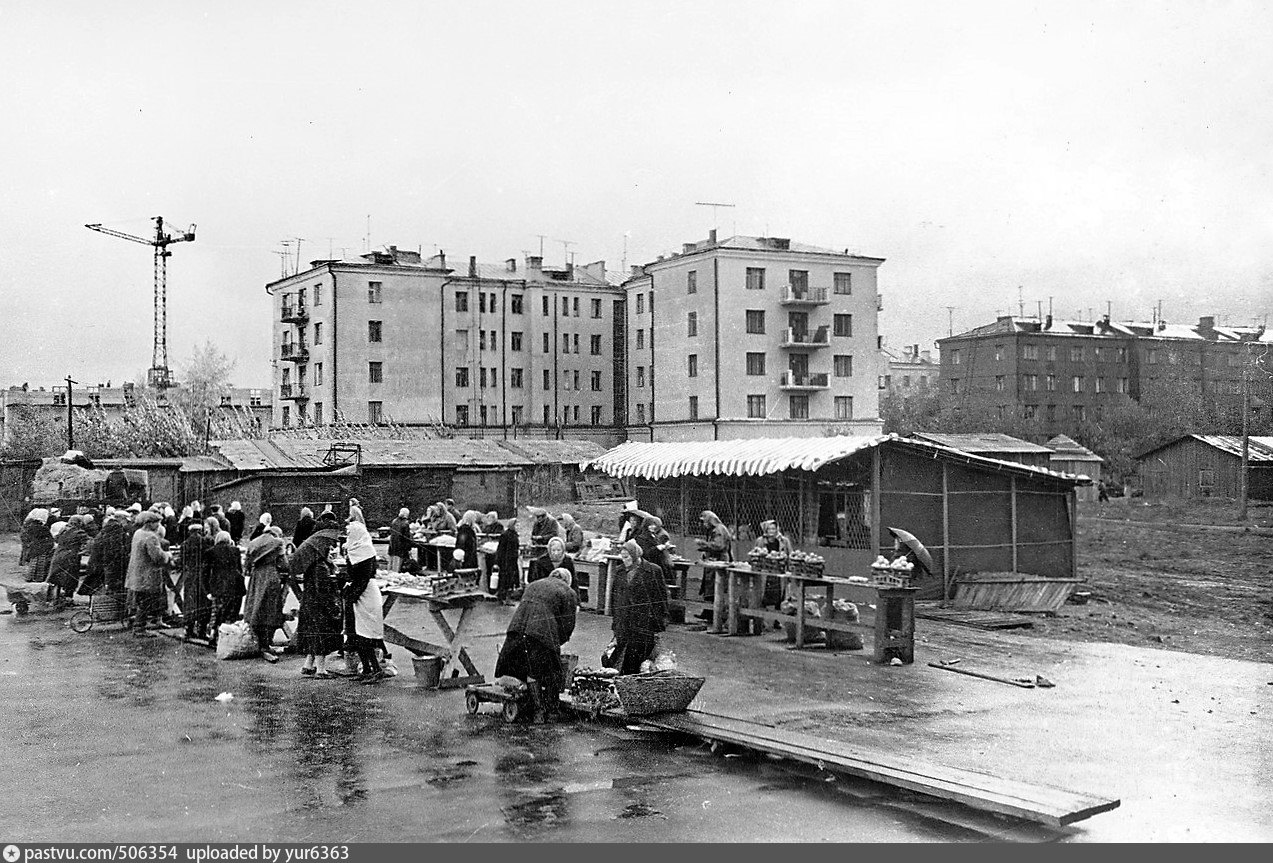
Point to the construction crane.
(159, 376)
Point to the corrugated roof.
(292, 454)
(1066, 448)
(1261, 448)
(761, 456)
(553, 451)
(983, 442)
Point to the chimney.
(472, 266)
(926, 356)
(441, 259)
(686, 248)
(1206, 323)
(636, 270)
(1162, 325)
(1047, 322)
(511, 265)
(534, 268)
(711, 236)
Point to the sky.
(1090, 155)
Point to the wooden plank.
(982, 675)
(1045, 804)
(393, 635)
(811, 622)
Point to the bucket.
(428, 670)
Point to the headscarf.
(633, 548)
(274, 530)
(110, 510)
(491, 518)
(404, 513)
(267, 519)
(196, 525)
(211, 525)
(306, 511)
(187, 512)
(58, 527)
(145, 518)
(567, 519)
(135, 506)
(562, 574)
(39, 514)
(714, 521)
(235, 506)
(470, 517)
(558, 541)
(654, 521)
(169, 512)
(223, 538)
(355, 514)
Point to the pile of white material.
(56, 479)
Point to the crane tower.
(159, 376)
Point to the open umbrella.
(909, 540)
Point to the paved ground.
(109, 738)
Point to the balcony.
(802, 340)
(296, 352)
(803, 383)
(296, 392)
(294, 313)
(792, 296)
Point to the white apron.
(369, 616)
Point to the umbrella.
(908, 539)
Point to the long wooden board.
(987, 620)
(1047, 805)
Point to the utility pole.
(1246, 437)
(950, 320)
(70, 404)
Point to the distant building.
(992, 445)
(1065, 373)
(910, 371)
(112, 401)
(1206, 466)
(1070, 456)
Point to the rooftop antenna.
(950, 320)
(299, 240)
(542, 237)
(716, 206)
(282, 261)
(565, 249)
(1020, 303)
(624, 267)
(330, 247)
(1040, 308)
(1109, 309)
(366, 240)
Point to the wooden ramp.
(970, 617)
(1056, 807)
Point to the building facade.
(1066, 373)
(752, 337)
(910, 372)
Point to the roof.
(1065, 448)
(294, 454)
(984, 442)
(553, 451)
(761, 456)
(187, 464)
(1261, 448)
(1011, 324)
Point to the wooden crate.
(1012, 591)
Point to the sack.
(236, 641)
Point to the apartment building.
(910, 371)
(751, 337)
(491, 349)
(112, 401)
(1065, 373)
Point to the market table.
(454, 652)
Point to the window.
(575, 411)
(481, 376)
(691, 324)
(375, 373)
(546, 420)
(574, 306)
(318, 374)
(596, 415)
(462, 377)
(691, 282)
(998, 353)
(1120, 355)
(1029, 411)
(254, 401)
(844, 407)
(481, 414)
(999, 383)
(596, 382)
(481, 338)
(515, 341)
(906, 381)
(1077, 383)
(640, 340)
(640, 413)
(565, 343)
(1078, 412)
(287, 416)
(1050, 383)
(565, 306)
(1029, 352)
(300, 298)
(756, 321)
(1076, 355)
(374, 331)
(1030, 383)
(755, 278)
(1098, 353)
(318, 297)
(318, 413)
(547, 346)
(515, 304)
(693, 407)
(843, 325)
(461, 340)
(651, 312)
(318, 334)
(1206, 477)
(843, 365)
(548, 381)
(518, 415)
(955, 358)
(576, 379)
(546, 313)
(461, 301)
(1120, 385)
(1100, 385)
(798, 407)
(692, 365)
(574, 341)
(756, 407)
(1051, 354)
(373, 292)
(493, 382)
(596, 310)
(640, 304)
(490, 302)
(843, 283)
(515, 378)
(1051, 413)
(595, 345)
(1151, 356)
(375, 412)
(640, 376)
(799, 280)
(755, 363)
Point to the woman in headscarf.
(773, 539)
(37, 545)
(211, 526)
(574, 533)
(64, 569)
(508, 560)
(654, 541)
(318, 629)
(543, 622)
(442, 520)
(399, 539)
(263, 605)
(183, 523)
(304, 527)
(262, 523)
(466, 537)
(355, 511)
(225, 580)
(147, 573)
(640, 609)
(554, 557)
(108, 556)
(196, 604)
(715, 547)
(236, 518)
(364, 609)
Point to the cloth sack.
(236, 641)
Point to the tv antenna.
(565, 249)
(950, 320)
(716, 206)
(542, 237)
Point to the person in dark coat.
(224, 578)
(400, 542)
(640, 609)
(508, 560)
(64, 569)
(544, 528)
(236, 517)
(262, 524)
(304, 527)
(223, 523)
(555, 556)
(543, 622)
(196, 606)
(654, 541)
(37, 545)
(466, 537)
(574, 533)
(318, 629)
(108, 557)
(263, 605)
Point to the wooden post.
(800, 615)
(945, 531)
(720, 592)
(733, 602)
(875, 501)
(1013, 495)
(1074, 532)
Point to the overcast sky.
(1087, 152)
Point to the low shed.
(994, 445)
(1198, 465)
(1070, 456)
(837, 496)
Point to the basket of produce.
(656, 692)
(892, 574)
(767, 561)
(593, 689)
(803, 563)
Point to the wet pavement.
(111, 737)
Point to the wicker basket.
(657, 692)
(891, 578)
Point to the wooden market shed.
(839, 495)
(1196, 465)
(993, 445)
(1070, 456)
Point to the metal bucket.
(428, 670)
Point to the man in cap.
(544, 528)
(147, 567)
